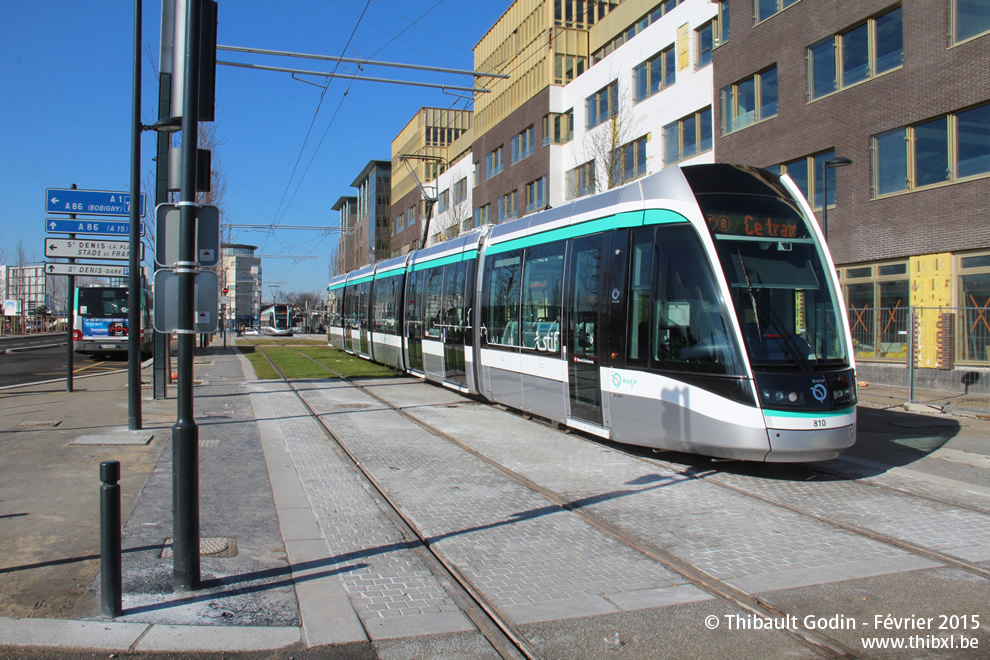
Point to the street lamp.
(838, 161)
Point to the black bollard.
(110, 580)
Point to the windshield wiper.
(786, 340)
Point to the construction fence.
(943, 352)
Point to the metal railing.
(943, 350)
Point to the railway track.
(512, 642)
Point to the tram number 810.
(820, 423)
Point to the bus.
(100, 321)
(275, 321)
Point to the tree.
(603, 146)
(303, 300)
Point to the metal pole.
(110, 570)
(912, 338)
(70, 299)
(185, 432)
(134, 329)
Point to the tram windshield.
(786, 306)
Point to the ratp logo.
(618, 381)
(819, 392)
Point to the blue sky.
(65, 109)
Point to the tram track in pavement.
(504, 637)
(723, 591)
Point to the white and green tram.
(694, 310)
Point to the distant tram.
(275, 321)
(695, 310)
(100, 321)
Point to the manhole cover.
(221, 546)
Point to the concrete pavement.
(272, 583)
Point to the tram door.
(454, 323)
(415, 284)
(586, 277)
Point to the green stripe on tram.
(443, 261)
(360, 280)
(618, 221)
(808, 415)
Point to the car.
(251, 331)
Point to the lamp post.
(838, 161)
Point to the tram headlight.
(785, 397)
(843, 391)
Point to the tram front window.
(777, 279)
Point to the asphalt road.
(32, 359)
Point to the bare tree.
(604, 143)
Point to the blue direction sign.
(62, 226)
(89, 202)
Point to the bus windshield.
(776, 275)
(102, 302)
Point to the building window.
(764, 9)
(974, 298)
(688, 137)
(879, 302)
(460, 191)
(938, 151)
(969, 19)
(661, 9)
(630, 162)
(704, 39)
(494, 162)
(567, 67)
(654, 74)
(536, 194)
(722, 23)
(522, 144)
(807, 174)
(558, 128)
(858, 54)
(603, 104)
(483, 215)
(749, 101)
(443, 201)
(581, 180)
(506, 208)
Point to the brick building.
(902, 89)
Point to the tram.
(100, 320)
(275, 321)
(694, 310)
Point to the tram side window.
(333, 307)
(361, 313)
(415, 284)
(689, 327)
(385, 305)
(640, 281)
(542, 292)
(434, 286)
(501, 313)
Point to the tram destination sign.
(97, 270)
(90, 202)
(65, 226)
(88, 248)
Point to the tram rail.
(720, 589)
